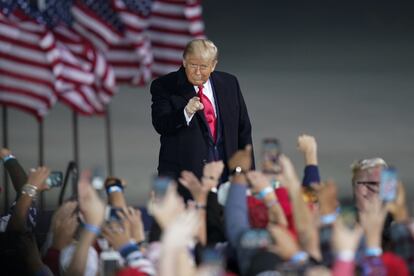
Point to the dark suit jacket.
(187, 147)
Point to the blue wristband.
(264, 192)
(328, 219)
(301, 256)
(128, 248)
(373, 252)
(8, 157)
(92, 228)
(112, 189)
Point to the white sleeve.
(187, 118)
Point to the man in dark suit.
(199, 113)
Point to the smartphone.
(256, 239)
(271, 151)
(388, 184)
(160, 185)
(212, 262)
(110, 263)
(111, 213)
(55, 179)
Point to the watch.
(237, 170)
(29, 190)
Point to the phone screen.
(160, 185)
(255, 239)
(388, 184)
(271, 151)
(55, 179)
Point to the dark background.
(339, 70)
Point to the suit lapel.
(222, 99)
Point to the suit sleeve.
(166, 118)
(245, 128)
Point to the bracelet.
(8, 157)
(112, 189)
(115, 187)
(373, 252)
(200, 206)
(264, 192)
(301, 256)
(346, 255)
(92, 228)
(328, 219)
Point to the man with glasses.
(366, 177)
(199, 113)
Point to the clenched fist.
(193, 106)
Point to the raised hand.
(308, 146)
(37, 178)
(64, 224)
(117, 233)
(168, 208)
(136, 226)
(193, 105)
(91, 206)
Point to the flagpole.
(5, 145)
(41, 157)
(75, 147)
(108, 132)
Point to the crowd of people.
(272, 224)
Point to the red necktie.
(208, 111)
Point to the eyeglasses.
(202, 67)
(372, 186)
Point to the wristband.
(200, 206)
(92, 228)
(346, 255)
(112, 189)
(115, 187)
(8, 157)
(301, 256)
(328, 219)
(373, 252)
(264, 192)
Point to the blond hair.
(366, 164)
(202, 47)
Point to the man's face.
(198, 69)
(366, 186)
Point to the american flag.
(26, 78)
(78, 74)
(173, 23)
(133, 65)
(85, 81)
(139, 35)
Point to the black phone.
(271, 150)
(55, 179)
(112, 214)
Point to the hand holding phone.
(160, 185)
(271, 151)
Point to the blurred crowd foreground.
(264, 222)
